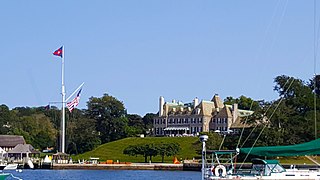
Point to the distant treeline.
(290, 119)
(103, 121)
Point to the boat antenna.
(314, 68)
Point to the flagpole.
(63, 92)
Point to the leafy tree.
(243, 102)
(139, 149)
(168, 149)
(214, 141)
(82, 135)
(152, 149)
(148, 122)
(135, 125)
(54, 114)
(287, 120)
(36, 129)
(109, 114)
(7, 118)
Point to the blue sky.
(139, 50)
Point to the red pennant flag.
(58, 52)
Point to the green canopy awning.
(309, 148)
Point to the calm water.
(106, 174)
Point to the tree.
(214, 141)
(243, 102)
(168, 149)
(135, 125)
(145, 149)
(148, 122)
(37, 130)
(109, 114)
(287, 120)
(6, 119)
(82, 135)
(139, 149)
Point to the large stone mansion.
(177, 118)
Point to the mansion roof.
(215, 107)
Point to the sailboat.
(263, 169)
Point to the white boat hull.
(289, 174)
(280, 176)
(11, 167)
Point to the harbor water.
(40, 174)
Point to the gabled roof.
(217, 101)
(239, 124)
(23, 148)
(11, 140)
(224, 112)
(206, 108)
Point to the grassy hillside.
(114, 150)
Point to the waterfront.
(105, 174)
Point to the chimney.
(161, 104)
(195, 102)
(234, 112)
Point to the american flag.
(74, 103)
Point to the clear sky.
(139, 50)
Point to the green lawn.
(297, 160)
(114, 150)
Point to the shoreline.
(132, 166)
(150, 166)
